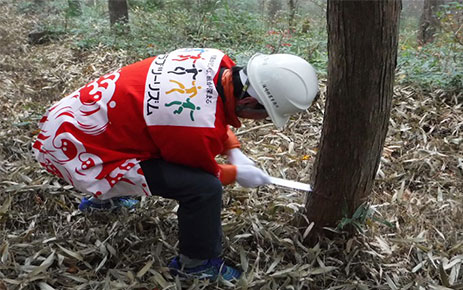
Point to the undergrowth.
(242, 28)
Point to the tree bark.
(429, 23)
(362, 50)
(118, 15)
(292, 13)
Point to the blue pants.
(200, 203)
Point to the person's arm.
(227, 173)
(242, 169)
(241, 166)
(232, 150)
(231, 142)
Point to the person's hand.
(237, 157)
(251, 176)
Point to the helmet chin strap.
(247, 88)
(245, 81)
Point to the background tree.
(362, 50)
(273, 9)
(429, 22)
(292, 8)
(412, 8)
(119, 15)
(450, 18)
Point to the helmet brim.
(254, 62)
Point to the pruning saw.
(290, 183)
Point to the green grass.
(436, 65)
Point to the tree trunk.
(429, 23)
(273, 9)
(362, 50)
(261, 5)
(292, 14)
(118, 15)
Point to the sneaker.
(213, 269)
(111, 204)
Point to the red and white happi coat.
(162, 107)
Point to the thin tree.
(429, 22)
(119, 15)
(362, 49)
(273, 10)
(292, 7)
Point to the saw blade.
(290, 183)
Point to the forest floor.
(413, 238)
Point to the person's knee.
(209, 188)
(215, 186)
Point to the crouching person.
(155, 128)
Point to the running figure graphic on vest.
(181, 71)
(186, 57)
(187, 105)
(193, 90)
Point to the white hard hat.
(284, 84)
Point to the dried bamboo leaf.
(71, 253)
(43, 266)
(4, 252)
(144, 269)
(273, 265)
(444, 278)
(45, 286)
(391, 283)
(103, 261)
(244, 260)
(160, 280)
(6, 205)
(322, 270)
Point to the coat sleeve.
(231, 142)
(227, 173)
